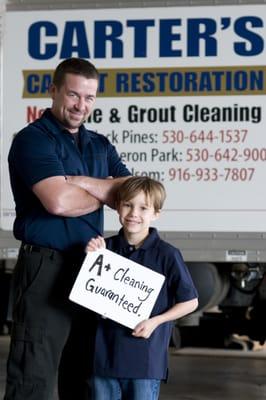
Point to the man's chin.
(75, 124)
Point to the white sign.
(116, 287)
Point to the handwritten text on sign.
(116, 287)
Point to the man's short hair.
(76, 66)
(154, 190)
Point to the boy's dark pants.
(44, 323)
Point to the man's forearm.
(84, 204)
(102, 189)
(60, 197)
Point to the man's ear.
(52, 89)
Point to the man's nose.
(80, 104)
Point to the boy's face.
(136, 215)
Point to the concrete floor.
(201, 374)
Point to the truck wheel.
(211, 285)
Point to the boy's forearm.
(145, 328)
(179, 310)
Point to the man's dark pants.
(47, 328)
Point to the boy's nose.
(133, 212)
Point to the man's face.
(74, 100)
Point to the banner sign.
(182, 96)
(116, 287)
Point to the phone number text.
(211, 174)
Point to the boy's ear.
(156, 214)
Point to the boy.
(130, 365)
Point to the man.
(60, 177)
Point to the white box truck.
(183, 98)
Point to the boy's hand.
(95, 244)
(145, 328)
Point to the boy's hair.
(153, 189)
(76, 66)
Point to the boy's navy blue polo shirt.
(118, 354)
(44, 149)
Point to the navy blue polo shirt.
(44, 149)
(118, 354)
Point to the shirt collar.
(51, 121)
(149, 242)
